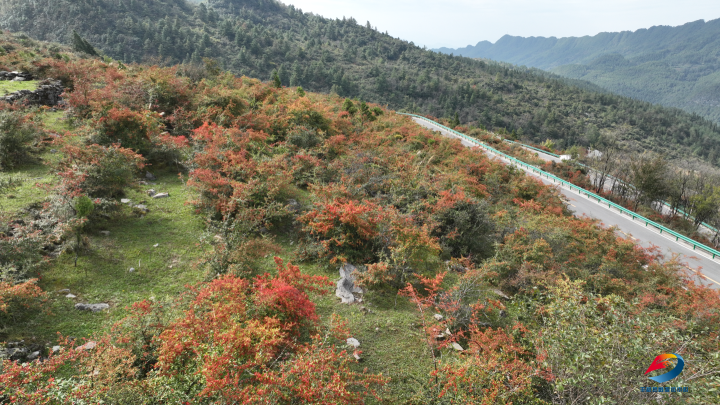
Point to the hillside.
(175, 239)
(256, 38)
(672, 66)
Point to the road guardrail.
(695, 245)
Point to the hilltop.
(671, 66)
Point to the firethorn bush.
(535, 305)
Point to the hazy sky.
(457, 23)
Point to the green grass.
(29, 177)
(390, 333)
(9, 86)
(102, 275)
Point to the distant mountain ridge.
(673, 66)
(259, 38)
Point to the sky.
(458, 23)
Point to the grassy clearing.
(103, 276)
(9, 86)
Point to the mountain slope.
(258, 37)
(672, 66)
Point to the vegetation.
(261, 38)
(271, 190)
(671, 66)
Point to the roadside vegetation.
(478, 285)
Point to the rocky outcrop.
(15, 76)
(346, 288)
(48, 93)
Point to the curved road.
(706, 269)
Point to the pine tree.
(276, 79)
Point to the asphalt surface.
(705, 269)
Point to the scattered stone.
(19, 79)
(32, 356)
(87, 346)
(56, 349)
(64, 291)
(356, 354)
(438, 317)
(501, 294)
(161, 195)
(457, 347)
(346, 285)
(132, 269)
(293, 206)
(92, 307)
(105, 233)
(353, 342)
(125, 201)
(53, 150)
(156, 245)
(71, 296)
(151, 192)
(17, 353)
(142, 208)
(150, 176)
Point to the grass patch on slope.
(102, 275)
(9, 86)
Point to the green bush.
(18, 139)
(465, 230)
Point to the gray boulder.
(161, 195)
(150, 176)
(346, 287)
(91, 307)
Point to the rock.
(161, 195)
(142, 208)
(457, 347)
(19, 79)
(150, 176)
(346, 285)
(501, 294)
(17, 353)
(293, 206)
(55, 349)
(32, 356)
(64, 291)
(151, 192)
(132, 270)
(105, 233)
(353, 342)
(356, 354)
(87, 346)
(438, 317)
(125, 201)
(71, 296)
(48, 93)
(156, 245)
(92, 307)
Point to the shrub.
(127, 128)
(98, 171)
(465, 229)
(18, 139)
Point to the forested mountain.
(258, 37)
(672, 66)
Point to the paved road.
(664, 209)
(698, 262)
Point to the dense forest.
(175, 238)
(259, 37)
(672, 66)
